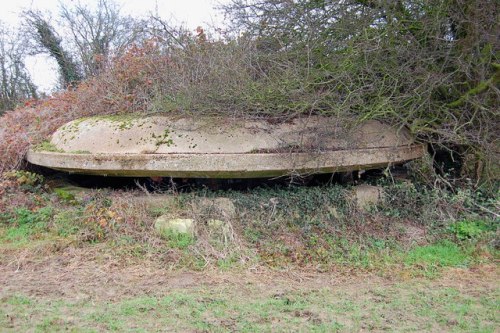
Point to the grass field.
(134, 298)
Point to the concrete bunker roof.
(222, 147)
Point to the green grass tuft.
(442, 254)
(178, 240)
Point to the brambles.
(430, 66)
(20, 190)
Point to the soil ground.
(52, 288)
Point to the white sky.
(189, 13)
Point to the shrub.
(432, 66)
(21, 190)
(468, 229)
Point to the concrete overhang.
(214, 147)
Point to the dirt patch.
(95, 273)
(80, 273)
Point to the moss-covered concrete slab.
(221, 148)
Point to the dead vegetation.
(276, 227)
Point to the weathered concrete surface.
(224, 165)
(222, 148)
(365, 196)
(213, 135)
(165, 226)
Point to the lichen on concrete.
(48, 147)
(129, 145)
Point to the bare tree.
(168, 36)
(15, 82)
(83, 41)
(99, 35)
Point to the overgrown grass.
(416, 229)
(177, 240)
(430, 258)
